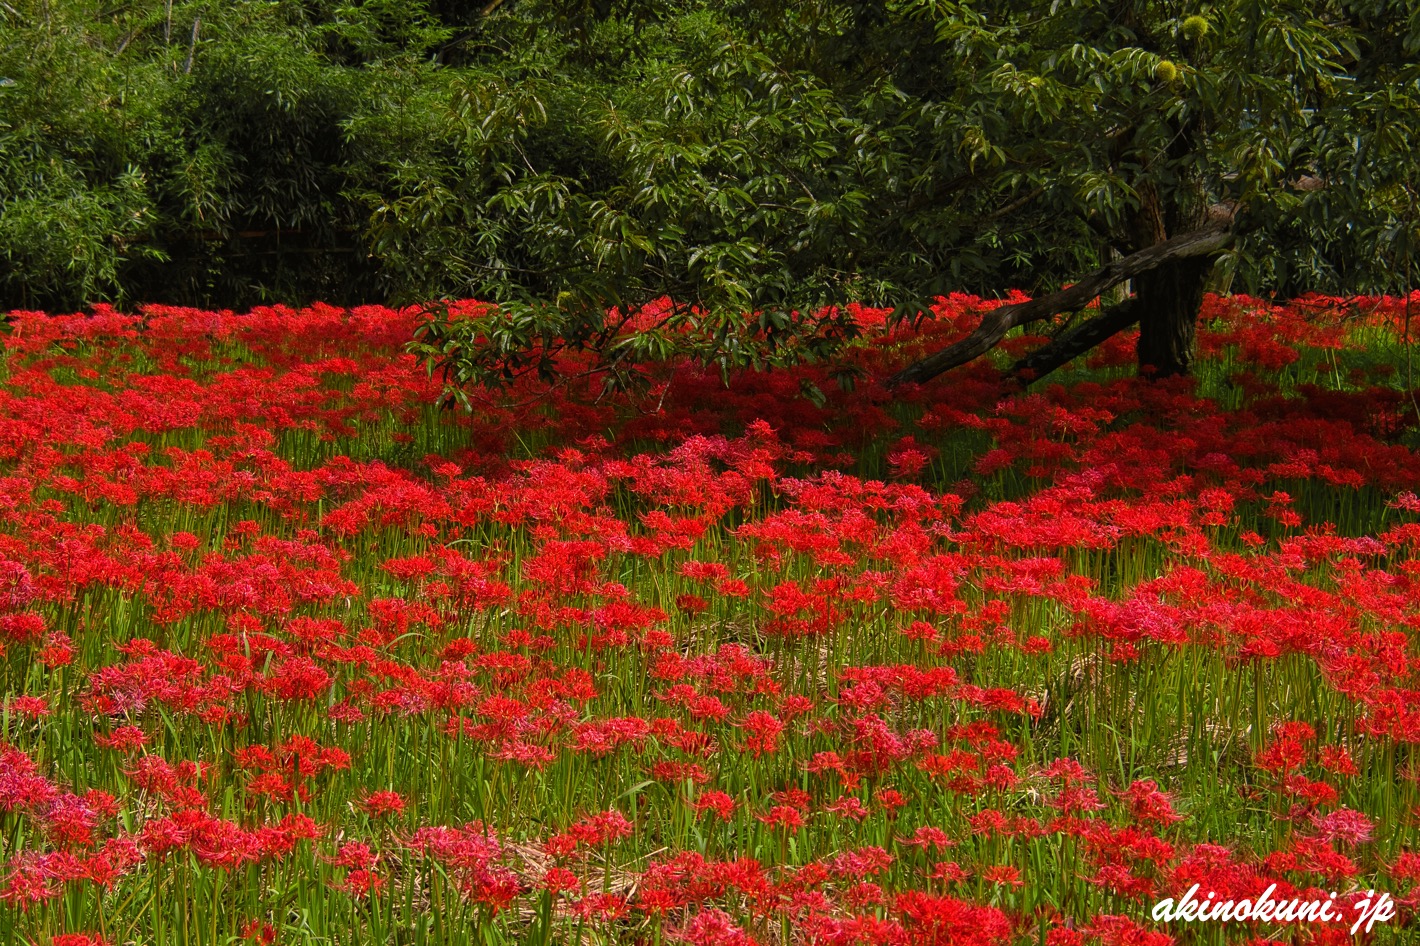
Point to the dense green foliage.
(732, 155)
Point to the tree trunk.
(1168, 297)
(1168, 300)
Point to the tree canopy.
(756, 163)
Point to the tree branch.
(1014, 205)
(1076, 342)
(995, 324)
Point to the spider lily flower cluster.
(292, 655)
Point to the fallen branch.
(995, 324)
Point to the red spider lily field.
(293, 655)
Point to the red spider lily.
(932, 919)
(1288, 748)
(1337, 760)
(1149, 805)
(559, 879)
(891, 800)
(862, 862)
(35, 707)
(680, 772)
(1345, 825)
(1118, 879)
(382, 803)
(254, 631)
(473, 857)
(602, 907)
(606, 736)
(763, 732)
(355, 855)
(928, 838)
(948, 872)
(1113, 930)
(1003, 875)
(783, 816)
(362, 883)
(691, 604)
(848, 806)
(712, 928)
(1312, 793)
(1067, 772)
(717, 803)
(601, 829)
(27, 885)
(255, 931)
